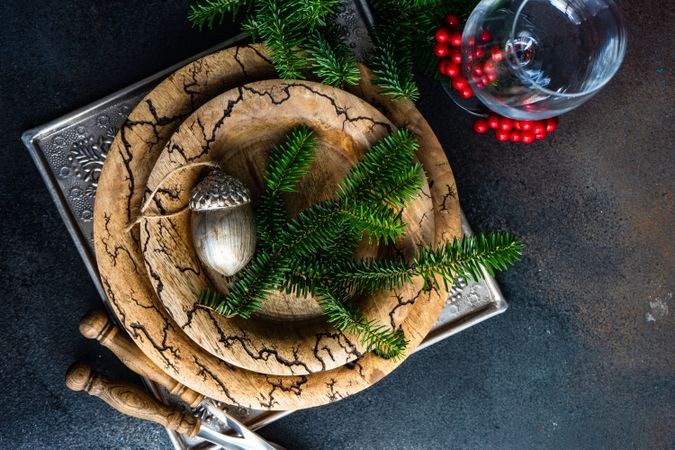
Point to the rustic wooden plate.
(239, 128)
(118, 245)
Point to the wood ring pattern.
(243, 125)
(118, 248)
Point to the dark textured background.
(584, 358)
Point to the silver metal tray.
(69, 153)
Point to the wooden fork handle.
(97, 325)
(130, 399)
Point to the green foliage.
(387, 173)
(404, 38)
(275, 23)
(461, 257)
(330, 60)
(290, 163)
(302, 37)
(206, 12)
(312, 253)
(346, 317)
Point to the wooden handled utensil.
(134, 401)
(97, 325)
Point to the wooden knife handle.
(97, 325)
(130, 400)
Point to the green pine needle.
(345, 317)
(381, 170)
(283, 36)
(393, 67)
(207, 12)
(461, 257)
(290, 161)
(332, 63)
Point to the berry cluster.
(448, 42)
(447, 47)
(525, 131)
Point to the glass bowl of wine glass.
(536, 59)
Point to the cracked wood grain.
(121, 190)
(238, 128)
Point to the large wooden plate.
(239, 128)
(119, 256)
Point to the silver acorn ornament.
(223, 225)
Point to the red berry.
(514, 136)
(539, 127)
(540, 136)
(480, 126)
(496, 54)
(526, 125)
(442, 34)
(455, 56)
(480, 84)
(451, 69)
(485, 36)
(459, 82)
(505, 124)
(527, 137)
(493, 121)
(452, 20)
(455, 39)
(441, 49)
(516, 125)
(477, 71)
(552, 124)
(479, 52)
(502, 136)
(485, 80)
(467, 92)
(442, 66)
(492, 77)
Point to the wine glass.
(536, 59)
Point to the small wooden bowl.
(236, 131)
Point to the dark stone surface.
(583, 358)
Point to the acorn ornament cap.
(223, 225)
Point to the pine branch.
(386, 342)
(254, 283)
(378, 177)
(206, 12)
(461, 257)
(315, 12)
(282, 36)
(380, 223)
(393, 67)
(312, 254)
(288, 163)
(330, 61)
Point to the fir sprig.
(312, 253)
(386, 173)
(301, 35)
(461, 257)
(346, 317)
(207, 12)
(291, 162)
(393, 66)
(330, 60)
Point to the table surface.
(582, 359)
